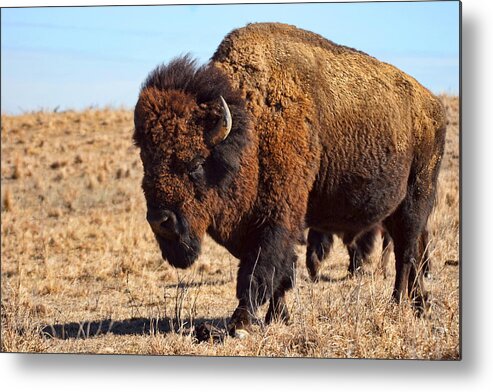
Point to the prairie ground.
(81, 272)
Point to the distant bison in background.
(284, 130)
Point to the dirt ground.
(81, 272)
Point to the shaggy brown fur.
(323, 136)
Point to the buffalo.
(280, 131)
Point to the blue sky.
(75, 57)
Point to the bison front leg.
(263, 275)
(278, 310)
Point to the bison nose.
(163, 223)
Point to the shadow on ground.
(326, 278)
(182, 285)
(133, 326)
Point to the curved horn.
(223, 127)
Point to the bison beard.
(180, 253)
(322, 137)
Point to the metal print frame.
(251, 187)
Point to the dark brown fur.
(323, 136)
(359, 249)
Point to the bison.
(285, 130)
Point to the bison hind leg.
(387, 250)
(360, 249)
(424, 249)
(318, 249)
(407, 227)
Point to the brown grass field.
(81, 272)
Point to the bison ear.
(221, 130)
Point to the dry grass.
(80, 263)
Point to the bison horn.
(223, 126)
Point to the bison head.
(191, 129)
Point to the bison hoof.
(422, 305)
(241, 334)
(313, 266)
(281, 314)
(315, 278)
(207, 332)
(355, 272)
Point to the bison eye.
(196, 169)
